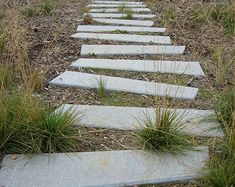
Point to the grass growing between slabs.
(164, 133)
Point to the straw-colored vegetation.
(28, 125)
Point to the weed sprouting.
(169, 15)
(164, 134)
(29, 11)
(101, 88)
(47, 7)
(199, 15)
(225, 107)
(128, 14)
(118, 32)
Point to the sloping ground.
(57, 51)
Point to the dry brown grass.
(15, 55)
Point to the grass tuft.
(220, 170)
(164, 133)
(27, 126)
(118, 32)
(169, 15)
(129, 14)
(225, 107)
(47, 7)
(101, 88)
(87, 19)
(223, 66)
(225, 16)
(199, 15)
(29, 11)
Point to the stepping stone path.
(117, 10)
(106, 169)
(125, 37)
(174, 67)
(115, 6)
(125, 22)
(108, 28)
(116, 15)
(104, 50)
(120, 168)
(91, 81)
(130, 118)
(118, 2)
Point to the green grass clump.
(118, 32)
(47, 7)
(225, 107)
(101, 88)
(28, 126)
(56, 132)
(169, 15)
(164, 134)
(29, 11)
(129, 14)
(225, 16)
(199, 15)
(220, 170)
(220, 173)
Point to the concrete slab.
(101, 169)
(102, 50)
(125, 22)
(115, 6)
(119, 15)
(131, 118)
(109, 28)
(91, 81)
(116, 10)
(154, 66)
(118, 2)
(125, 37)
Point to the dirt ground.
(53, 50)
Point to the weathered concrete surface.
(175, 67)
(131, 50)
(91, 81)
(125, 22)
(100, 169)
(132, 118)
(125, 37)
(109, 28)
(120, 15)
(116, 10)
(114, 6)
